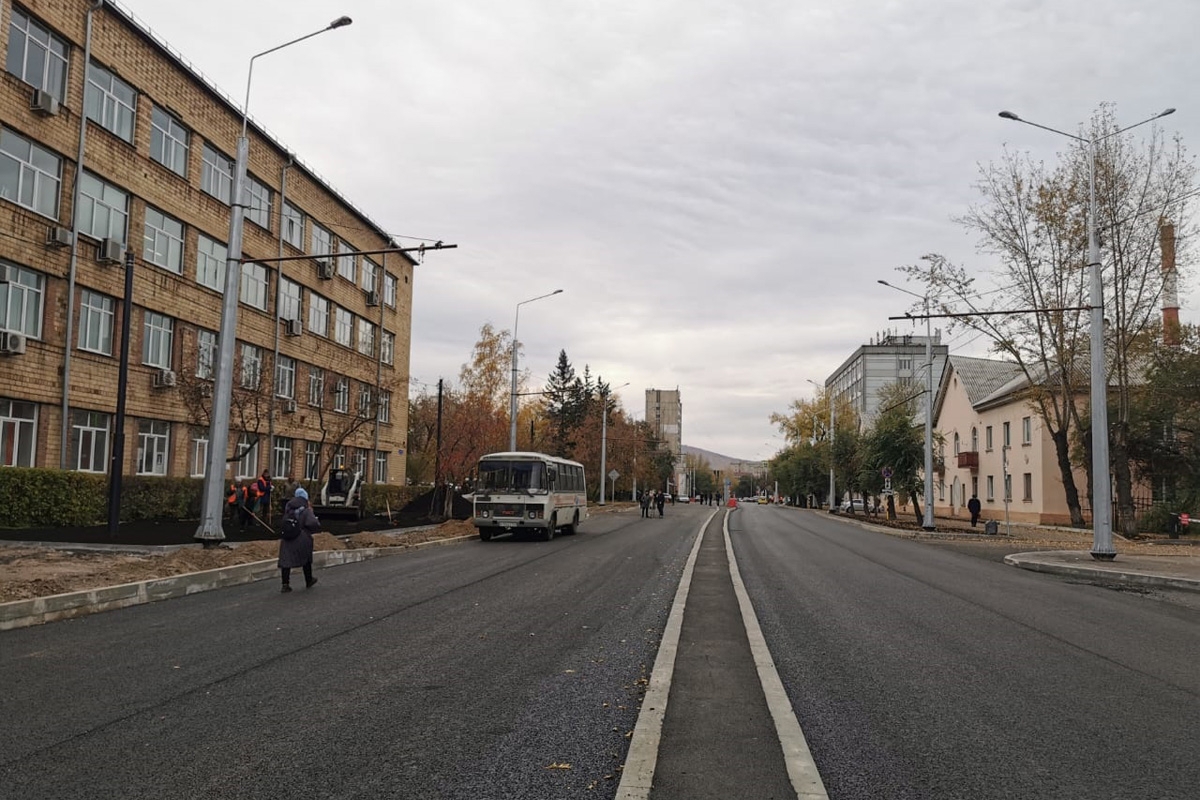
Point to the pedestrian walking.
(262, 487)
(661, 500)
(973, 507)
(296, 544)
(645, 503)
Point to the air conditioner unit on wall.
(12, 343)
(43, 103)
(294, 327)
(325, 270)
(109, 251)
(372, 298)
(164, 378)
(58, 236)
(289, 406)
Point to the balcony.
(969, 460)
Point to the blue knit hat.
(302, 493)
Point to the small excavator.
(341, 497)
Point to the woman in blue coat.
(297, 551)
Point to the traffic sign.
(887, 473)
(1184, 520)
(613, 475)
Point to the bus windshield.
(507, 476)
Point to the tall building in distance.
(128, 158)
(888, 358)
(664, 413)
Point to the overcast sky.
(716, 185)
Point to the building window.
(904, 363)
(281, 456)
(1027, 480)
(366, 338)
(991, 488)
(211, 256)
(97, 313)
(158, 335)
(942, 491)
(30, 175)
(974, 486)
(35, 55)
(252, 356)
(359, 460)
(199, 453)
(110, 102)
(247, 451)
(293, 225)
(389, 290)
(322, 241)
(346, 261)
(381, 466)
(154, 437)
(254, 285)
(285, 377)
(385, 406)
(289, 299)
(103, 209)
(956, 443)
(1026, 430)
(341, 395)
(216, 174)
(316, 387)
(364, 401)
(1006, 434)
(343, 326)
(974, 440)
(258, 202)
(370, 275)
(987, 437)
(387, 347)
(318, 315)
(22, 295)
(1008, 488)
(339, 458)
(18, 433)
(163, 240)
(206, 353)
(89, 441)
(169, 141)
(312, 461)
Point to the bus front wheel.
(485, 534)
(571, 529)
(548, 533)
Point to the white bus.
(529, 492)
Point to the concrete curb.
(1120, 571)
(38, 610)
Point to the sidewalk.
(1173, 572)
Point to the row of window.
(22, 299)
(31, 175)
(91, 437)
(1006, 436)
(990, 497)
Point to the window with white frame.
(385, 406)
(956, 443)
(206, 353)
(97, 314)
(30, 175)
(293, 225)
(318, 314)
(322, 241)
(110, 102)
(987, 436)
(904, 363)
(339, 458)
(366, 338)
(259, 198)
(1026, 430)
(252, 359)
(387, 347)
(89, 441)
(359, 459)
(281, 456)
(285, 377)
(346, 260)
(216, 174)
(370, 275)
(343, 326)
(389, 290)
(199, 453)
(1008, 488)
(1027, 480)
(158, 335)
(163, 240)
(255, 281)
(169, 141)
(991, 488)
(289, 299)
(1007, 434)
(341, 395)
(312, 461)
(35, 55)
(103, 209)
(22, 300)
(18, 433)
(364, 401)
(381, 466)
(974, 440)
(247, 452)
(316, 387)
(211, 256)
(154, 439)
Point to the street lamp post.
(218, 437)
(604, 437)
(512, 403)
(829, 396)
(928, 524)
(1102, 542)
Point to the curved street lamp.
(604, 436)
(512, 401)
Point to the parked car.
(855, 505)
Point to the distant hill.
(715, 460)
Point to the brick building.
(322, 344)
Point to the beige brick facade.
(35, 300)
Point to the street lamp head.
(1166, 113)
(340, 22)
(557, 291)
(1009, 115)
(882, 281)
